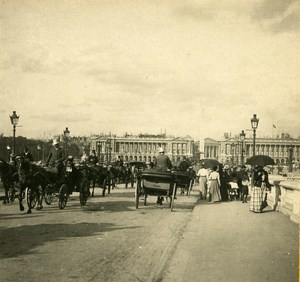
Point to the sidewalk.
(227, 242)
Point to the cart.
(184, 181)
(73, 181)
(152, 183)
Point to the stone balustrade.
(285, 196)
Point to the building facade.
(143, 147)
(282, 149)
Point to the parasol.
(260, 160)
(209, 163)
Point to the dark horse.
(9, 176)
(30, 177)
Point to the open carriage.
(74, 179)
(153, 183)
(184, 181)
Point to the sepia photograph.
(146, 140)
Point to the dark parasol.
(209, 163)
(260, 160)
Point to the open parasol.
(209, 163)
(260, 160)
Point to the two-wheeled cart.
(152, 183)
(184, 181)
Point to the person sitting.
(55, 159)
(27, 155)
(163, 164)
(93, 159)
(184, 164)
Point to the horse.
(9, 176)
(121, 174)
(31, 177)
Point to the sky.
(197, 68)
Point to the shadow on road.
(17, 241)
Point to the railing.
(285, 196)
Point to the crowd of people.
(224, 183)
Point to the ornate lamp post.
(290, 159)
(242, 137)
(38, 150)
(66, 135)
(8, 150)
(108, 150)
(14, 119)
(254, 125)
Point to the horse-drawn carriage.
(184, 181)
(154, 183)
(62, 185)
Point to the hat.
(161, 150)
(55, 142)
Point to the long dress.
(214, 186)
(202, 173)
(256, 199)
(261, 183)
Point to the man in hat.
(162, 164)
(27, 155)
(162, 161)
(184, 164)
(93, 159)
(241, 174)
(56, 158)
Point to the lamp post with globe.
(254, 125)
(14, 119)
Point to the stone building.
(282, 149)
(142, 147)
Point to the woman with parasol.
(260, 184)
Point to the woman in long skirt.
(202, 174)
(214, 185)
(260, 184)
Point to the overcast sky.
(198, 68)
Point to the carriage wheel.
(48, 196)
(173, 197)
(83, 196)
(31, 197)
(63, 196)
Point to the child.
(233, 190)
(245, 189)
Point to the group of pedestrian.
(224, 183)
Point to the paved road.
(108, 240)
(227, 242)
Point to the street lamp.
(8, 150)
(254, 125)
(108, 150)
(66, 135)
(14, 118)
(290, 159)
(38, 149)
(242, 137)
